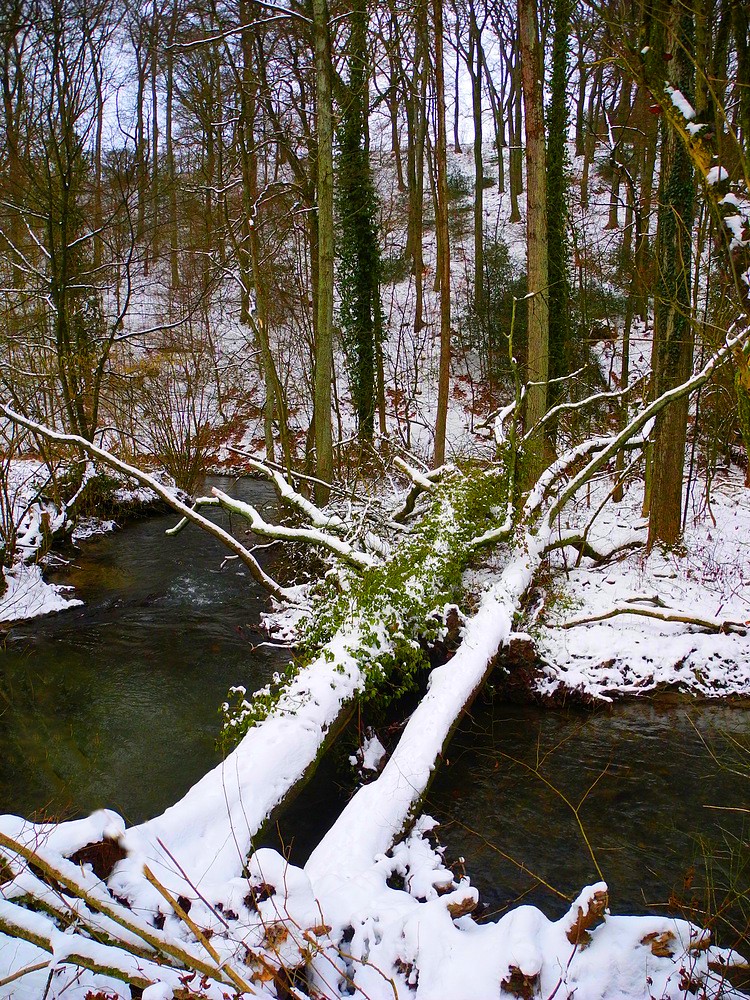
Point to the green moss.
(397, 607)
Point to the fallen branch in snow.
(25, 971)
(184, 916)
(578, 540)
(710, 624)
(18, 922)
(58, 871)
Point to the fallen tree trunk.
(378, 813)
(210, 831)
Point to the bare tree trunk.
(444, 253)
(417, 120)
(581, 100)
(673, 333)
(589, 145)
(98, 219)
(155, 181)
(646, 137)
(324, 306)
(516, 151)
(396, 78)
(456, 100)
(174, 267)
(536, 224)
(496, 102)
(475, 69)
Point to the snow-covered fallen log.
(376, 815)
(209, 832)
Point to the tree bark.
(444, 258)
(475, 62)
(324, 306)
(672, 359)
(536, 226)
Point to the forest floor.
(703, 586)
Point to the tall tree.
(359, 253)
(672, 358)
(325, 254)
(475, 64)
(536, 225)
(443, 240)
(557, 129)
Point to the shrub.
(488, 332)
(394, 268)
(459, 184)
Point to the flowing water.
(115, 704)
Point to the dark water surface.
(116, 703)
(643, 777)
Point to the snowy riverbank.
(667, 619)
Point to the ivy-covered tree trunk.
(673, 334)
(557, 241)
(324, 298)
(359, 253)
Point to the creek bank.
(50, 535)
(523, 677)
(635, 622)
(46, 534)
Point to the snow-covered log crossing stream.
(350, 890)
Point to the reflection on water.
(116, 703)
(527, 787)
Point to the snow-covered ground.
(706, 579)
(31, 517)
(27, 515)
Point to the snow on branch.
(423, 482)
(736, 338)
(568, 407)
(710, 624)
(316, 517)
(359, 560)
(165, 494)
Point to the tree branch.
(715, 625)
(340, 548)
(258, 574)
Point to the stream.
(116, 704)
